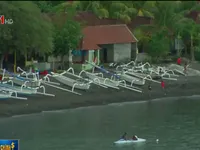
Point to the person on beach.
(149, 88)
(124, 136)
(163, 86)
(179, 61)
(185, 68)
(160, 71)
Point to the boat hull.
(19, 90)
(131, 79)
(70, 82)
(140, 140)
(102, 80)
(5, 95)
(30, 83)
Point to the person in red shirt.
(179, 61)
(163, 86)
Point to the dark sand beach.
(97, 96)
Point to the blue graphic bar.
(9, 144)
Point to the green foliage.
(144, 8)
(141, 35)
(67, 37)
(44, 6)
(124, 11)
(30, 29)
(158, 45)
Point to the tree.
(67, 37)
(106, 9)
(122, 10)
(143, 8)
(44, 6)
(169, 18)
(30, 31)
(90, 6)
(159, 45)
(143, 38)
(191, 29)
(191, 37)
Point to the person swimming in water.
(135, 137)
(124, 136)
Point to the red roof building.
(106, 43)
(106, 34)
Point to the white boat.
(122, 141)
(19, 90)
(6, 94)
(71, 82)
(105, 81)
(28, 79)
(30, 82)
(132, 79)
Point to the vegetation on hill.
(33, 31)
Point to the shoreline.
(98, 105)
(97, 96)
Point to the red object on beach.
(45, 72)
(179, 61)
(162, 84)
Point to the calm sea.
(175, 122)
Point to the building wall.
(122, 52)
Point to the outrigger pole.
(103, 70)
(117, 76)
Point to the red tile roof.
(106, 34)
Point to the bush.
(158, 46)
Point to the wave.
(110, 104)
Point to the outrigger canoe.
(122, 141)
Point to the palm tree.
(191, 37)
(168, 19)
(122, 10)
(192, 28)
(89, 6)
(144, 8)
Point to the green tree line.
(33, 31)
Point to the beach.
(97, 96)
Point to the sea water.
(175, 122)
